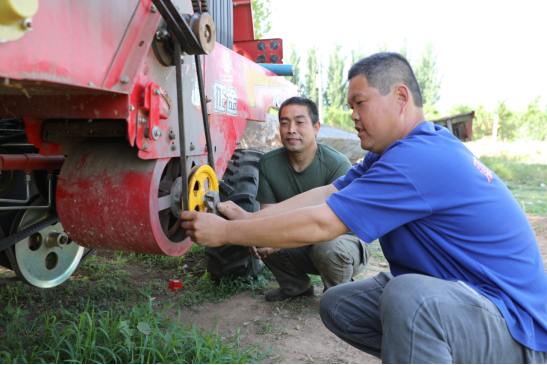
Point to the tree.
(534, 122)
(310, 88)
(509, 123)
(427, 75)
(261, 13)
(336, 92)
(404, 50)
(294, 59)
(357, 54)
(382, 47)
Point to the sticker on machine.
(232, 101)
(219, 97)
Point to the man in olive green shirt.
(301, 165)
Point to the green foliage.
(261, 13)
(404, 50)
(515, 171)
(427, 75)
(205, 289)
(523, 180)
(512, 125)
(534, 126)
(336, 92)
(294, 59)
(138, 334)
(357, 53)
(339, 117)
(310, 90)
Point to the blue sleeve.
(377, 202)
(356, 171)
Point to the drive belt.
(27, 232)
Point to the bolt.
(131, 108)
(172, 135)
(157, 91)
(145, 146)
(230, 161)
(124, 79)
(192, 147)
(173, 147)
(206, 33)
(27, 23)
(142, 120)
(153, 9)
(238, 143)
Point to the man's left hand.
(206, 230)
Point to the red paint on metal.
(243, 18)
(33, 129)
(29, 162)
(64, 102)
(112, 202)
(175, 285)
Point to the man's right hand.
(262, 252)
(232, 211)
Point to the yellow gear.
(201, 180)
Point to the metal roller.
(108, 198)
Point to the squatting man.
(300, 165)
(467, 281)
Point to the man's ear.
(403, 95)
(317, 127)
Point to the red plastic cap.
(175, 285)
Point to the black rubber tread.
(27, 232)
(240, 185)
(222, 12)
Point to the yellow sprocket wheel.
(201, 180)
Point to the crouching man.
(301, 165)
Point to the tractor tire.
(222, 12)
(240, 185)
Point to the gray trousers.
(419, 319)
(337, 261)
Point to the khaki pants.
(337, 261)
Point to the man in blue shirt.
(467, 280)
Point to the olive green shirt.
(279, 181)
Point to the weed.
(120, 335)
(205, 289)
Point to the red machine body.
(92, 61)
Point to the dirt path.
(293, 331)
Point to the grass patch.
(139, 334)
(531, 200)
(527, 181)
(515, 171)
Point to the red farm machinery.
(117, 115)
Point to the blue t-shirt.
(439, 211)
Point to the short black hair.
(298, 100)
(386, 70)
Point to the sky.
(487, 51)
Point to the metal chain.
(27, 232)
(195, 4)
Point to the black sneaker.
(278, 295)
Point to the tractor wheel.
(240, 185)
